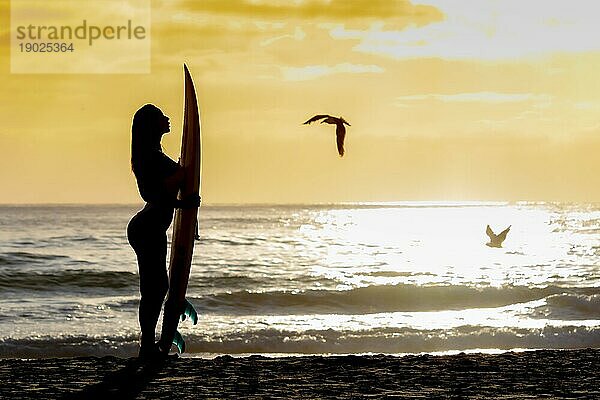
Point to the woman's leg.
(151, 251)
(154, 284)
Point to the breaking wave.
(383, 340)
(376, 299)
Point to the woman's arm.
(191, 201)
(172, 183)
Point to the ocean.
(311, 279)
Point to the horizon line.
(339, 203)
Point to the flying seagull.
(496, 240)
(340, 129)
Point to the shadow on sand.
(126, 383)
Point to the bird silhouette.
(340, 129)
(496, 240)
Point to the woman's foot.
(152, 353)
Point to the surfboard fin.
(179, 342)
(189, 312)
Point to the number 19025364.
(34, 47)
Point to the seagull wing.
(316, 118)
(503, 234)
(340, 134)
(490, 233)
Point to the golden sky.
(448, 100)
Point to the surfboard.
(185, 222)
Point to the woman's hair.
(145, 138)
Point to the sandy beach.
(523, 375)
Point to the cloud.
(489, 30)
(479, 97)
(340, 10)
(318, 71)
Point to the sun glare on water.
(441, 245)
(434, 245)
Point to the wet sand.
(524, 375)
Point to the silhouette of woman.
(158, 179)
